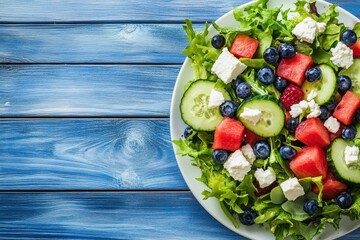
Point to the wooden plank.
(113, 10)
(77, 90)
(116, 215)
(87, 154)
(131, 10)
(92, 43)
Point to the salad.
(273, 115)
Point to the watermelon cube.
(244, 46)
(250, 137)
(293, 69)
(345, 110)
(356, 49)
(331, 187)
(309, 162)
(312, 132)
(228, 135)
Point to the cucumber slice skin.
(326, 86)
(273, 116)
(193, 106)
(337, 163)
(353, 73)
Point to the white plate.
(190, 172)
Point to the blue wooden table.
(85, 149)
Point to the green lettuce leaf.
(200, 51)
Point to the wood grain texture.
(87, 154)
(113, 10)
(92, 43)
(130, 10)
(117, 215)
(101, 90)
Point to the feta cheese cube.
(292, 189)
(248, 152)
(237, 165)
(342, 55)
(320, 27)
(332, 124)
(227, 67)
(252, 115)
(265, 177)
(351, 155)
(314, 109)
(306, 30)
(312, 95)
(216, 99)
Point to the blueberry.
(218, 41)
(287, 50)
(313, 74)
(228, 109)
(331, 105)
(219, 155)
(344, 84)
(271, 55)
(357, 116)
(344, 200)
(292, 124)
(348, 37)
(235, 83)
(325, 113)
(349, 132)
(187, 132)
(287, 152)
(311, 207)
(280, 84)
(243, 90)
(248, 217)
(266, 75)
(262, 149)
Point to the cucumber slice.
(326, 86)
(353, 73)
(337, 161)
(194, 106)
(272, 116)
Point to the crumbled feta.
(216, 99)
(314, 109)
(227, 67)
(320, 27)
(248, 152)
(332, 124)
(237, 165)
(312, 95)
(351, 155)
(303, 104)
(292, 189)
(252, 115)
(342, 55)
(265, 177)
(295, 110)
(306, 30)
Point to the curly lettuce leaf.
(232, 195)
(200, 51)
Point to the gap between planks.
(153, 191)
(85, 118)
